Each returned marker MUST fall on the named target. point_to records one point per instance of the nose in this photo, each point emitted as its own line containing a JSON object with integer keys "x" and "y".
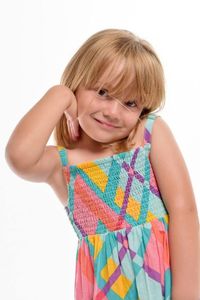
{"x": 113, "y": 108}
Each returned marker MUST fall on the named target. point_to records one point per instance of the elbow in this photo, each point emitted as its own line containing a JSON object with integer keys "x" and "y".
{"x": 10, "y": 159}
{"x": 8, "y": 154}
{"x": 183, "y": 203}
{"x": 184, "y": 210}
{"x": 185, "y": 214}
{"x": 13, "y": 160}
{"x": 16, "y": 164}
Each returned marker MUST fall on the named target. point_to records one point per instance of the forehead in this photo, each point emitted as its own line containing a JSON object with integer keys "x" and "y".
{"x": 118, "y": 80}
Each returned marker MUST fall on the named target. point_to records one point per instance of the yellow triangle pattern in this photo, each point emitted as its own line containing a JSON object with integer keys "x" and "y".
{"x": 122, "y": 283}
{"x": 133, "y": 208}
{"x": 97, "y": 175}
{"x": 97, "y": 243}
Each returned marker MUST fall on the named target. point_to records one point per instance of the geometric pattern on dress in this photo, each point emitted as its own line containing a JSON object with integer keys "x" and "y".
{"x": 118, "y": 214}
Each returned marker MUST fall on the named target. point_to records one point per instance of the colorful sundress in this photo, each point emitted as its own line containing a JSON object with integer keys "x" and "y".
{"x": 121, "y": 222}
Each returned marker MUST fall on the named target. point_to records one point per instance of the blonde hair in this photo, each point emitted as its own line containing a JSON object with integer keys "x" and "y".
{"x": 100, "y": 55}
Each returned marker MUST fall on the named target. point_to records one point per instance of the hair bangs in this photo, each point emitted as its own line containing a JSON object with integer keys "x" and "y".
{"x": 117, "y": 76}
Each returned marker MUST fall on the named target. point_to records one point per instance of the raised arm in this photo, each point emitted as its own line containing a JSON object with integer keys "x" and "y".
{"x": 176, "y": 189}
{"x": 26, "y": 151}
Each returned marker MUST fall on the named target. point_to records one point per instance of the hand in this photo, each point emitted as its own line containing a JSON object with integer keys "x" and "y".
{"x": 71, "y": 114}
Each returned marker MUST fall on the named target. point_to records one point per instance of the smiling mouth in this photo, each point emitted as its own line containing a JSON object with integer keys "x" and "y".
{"x": 105, "y": 124}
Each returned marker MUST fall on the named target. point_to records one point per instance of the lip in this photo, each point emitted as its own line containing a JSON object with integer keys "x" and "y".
{"x": 105, "y": 124}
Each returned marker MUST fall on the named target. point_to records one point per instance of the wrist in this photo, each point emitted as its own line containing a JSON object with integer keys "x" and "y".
{"x": 64, "y": 93}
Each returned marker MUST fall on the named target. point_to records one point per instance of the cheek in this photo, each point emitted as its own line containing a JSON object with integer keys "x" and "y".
{"x": 85, "y": 106}
{"x": 131, "y": 121}
{"x": 85, "y": 116}
{"x": 79, "y": 109}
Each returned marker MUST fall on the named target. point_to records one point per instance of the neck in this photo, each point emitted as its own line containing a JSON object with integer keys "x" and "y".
{"x": 87, "y": 143}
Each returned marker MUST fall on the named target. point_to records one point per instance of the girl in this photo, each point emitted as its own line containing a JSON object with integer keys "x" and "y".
{"x": 117, "y": 170}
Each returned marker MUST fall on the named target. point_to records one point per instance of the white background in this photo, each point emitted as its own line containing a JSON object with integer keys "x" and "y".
{"x": 37, "y": 242}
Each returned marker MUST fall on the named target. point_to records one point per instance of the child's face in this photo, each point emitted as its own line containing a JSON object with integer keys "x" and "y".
{"x": 95, "y": 106}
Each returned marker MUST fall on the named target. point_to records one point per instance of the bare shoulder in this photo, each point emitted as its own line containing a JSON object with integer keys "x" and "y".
{"x": 162, "y": 140}
{"x": 170, "y": 169}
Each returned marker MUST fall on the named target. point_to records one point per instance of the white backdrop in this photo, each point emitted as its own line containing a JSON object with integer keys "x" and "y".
{"x": 37, "y": 242}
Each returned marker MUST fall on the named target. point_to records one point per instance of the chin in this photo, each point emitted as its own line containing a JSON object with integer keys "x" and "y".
{"x": 99, "y": 137}
{"x": 101, "y": 140}
{"x": 105, "y": 141}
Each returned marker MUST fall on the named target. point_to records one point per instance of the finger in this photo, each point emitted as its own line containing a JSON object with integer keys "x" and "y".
{"x": 71, "y": 130}
{"x": 74, "y": 125}
{"x": 74, "y": 130}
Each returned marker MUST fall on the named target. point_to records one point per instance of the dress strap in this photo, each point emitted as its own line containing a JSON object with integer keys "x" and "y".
{"x": 148, "y": 127}
{"x": 63, "y": 155}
